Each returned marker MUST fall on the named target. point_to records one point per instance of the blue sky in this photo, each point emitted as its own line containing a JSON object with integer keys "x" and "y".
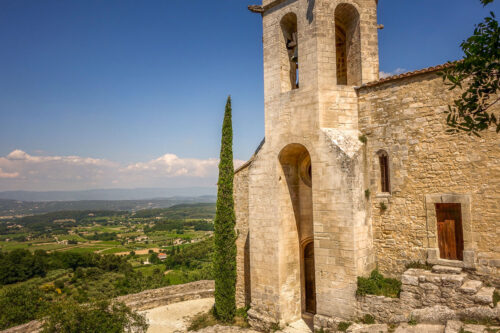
{"x": 127, "y": 83}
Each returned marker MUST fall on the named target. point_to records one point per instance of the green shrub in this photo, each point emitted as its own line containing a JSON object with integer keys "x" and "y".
{"x": 343, "y": 326}
{"x": 59, "y": 284}
{"x": 20, "y": 304}
{"x": 275, "y": 327}
{"x": 71, "y": 317}
{"x": 412, "y": 321}
{"x": 202, "y": 320}
{"x": 496, "y": 297}
{"x": 378, "y": 285}
{"x": 368, "y": 319}
{"x": 243, "y": 312}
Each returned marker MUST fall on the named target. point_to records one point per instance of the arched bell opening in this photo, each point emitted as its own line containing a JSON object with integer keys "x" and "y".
{"x": 348, "y": 45}
{"x": 290, "y": 53}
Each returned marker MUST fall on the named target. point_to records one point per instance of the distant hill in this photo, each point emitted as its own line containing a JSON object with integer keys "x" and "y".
{"x": 109, "y": 194}
{"x": 16, "y": 207}
{"x": 181, "y": 211}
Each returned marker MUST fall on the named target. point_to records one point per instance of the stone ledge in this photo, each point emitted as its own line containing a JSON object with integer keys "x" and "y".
{"x": 446, "y": 269}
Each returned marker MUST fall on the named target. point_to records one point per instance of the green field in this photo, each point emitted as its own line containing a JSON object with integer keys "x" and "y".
{"x": 86, "y": 256}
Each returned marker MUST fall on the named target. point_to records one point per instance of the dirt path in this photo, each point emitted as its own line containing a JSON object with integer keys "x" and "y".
{"x": 175, "y": 317}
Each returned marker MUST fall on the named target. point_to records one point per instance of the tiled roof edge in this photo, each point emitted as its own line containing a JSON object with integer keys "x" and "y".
{"x": 408, "y": 74}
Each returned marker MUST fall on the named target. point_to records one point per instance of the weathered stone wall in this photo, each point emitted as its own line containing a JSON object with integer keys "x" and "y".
{"x": 433, "y": 296}
{"x": 405, "y": 117}
{"x": 154, "y": 298}
{"x": 242, "y": 242}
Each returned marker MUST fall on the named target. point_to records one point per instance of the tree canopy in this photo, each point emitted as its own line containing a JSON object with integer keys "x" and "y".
{"x": 478, "y": 75}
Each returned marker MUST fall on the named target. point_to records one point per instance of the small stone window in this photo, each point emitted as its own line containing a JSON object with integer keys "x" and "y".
{"x": 385, "y": 184}
{"x": 290, "y": 53}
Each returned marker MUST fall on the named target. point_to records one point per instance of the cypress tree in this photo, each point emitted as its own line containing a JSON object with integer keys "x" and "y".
{"x": 224, "y": 234}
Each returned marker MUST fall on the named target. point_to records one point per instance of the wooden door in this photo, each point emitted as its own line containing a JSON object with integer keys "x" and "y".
{"x": 450, "y": 233}
{"x": 310, "y": 285}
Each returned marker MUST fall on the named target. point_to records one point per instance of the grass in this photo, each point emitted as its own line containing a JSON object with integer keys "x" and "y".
{"x": 85, "y": 249}
{"x": 368, "y": 319}
{"x": 51, "y": 247}
{"x": 202, "y": 320}
{"x": 485, "y": 322}
{"x": 113, "y": 250}
{"x": 207, "y": 319}
{"x": 412, "y": 321}
{"x": 9, "y": 246}
{"x": 419, "y": 265}
{"x": 378, "y": 285}
{"x": 496, "y": 297}
{"x": 492, "y": 330}
{"x": 71, "y": 237}
{"x": 343, "y": 326}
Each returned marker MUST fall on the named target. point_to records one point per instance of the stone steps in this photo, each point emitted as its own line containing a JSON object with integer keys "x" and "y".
{"x": 484, "y": 295}
{"x": 479, "y": 293}
{"x": 300, "y": 326}
{"x": 440, "y": 269}
{"x": 471, "y": 287}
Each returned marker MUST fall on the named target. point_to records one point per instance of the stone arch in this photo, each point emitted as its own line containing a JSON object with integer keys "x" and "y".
{"x": 296, "y": 212}
{"x": 289, "y": 51}
{"x": 348, "y": 45}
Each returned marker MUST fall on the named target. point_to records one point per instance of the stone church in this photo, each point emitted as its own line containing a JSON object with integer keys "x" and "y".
{"x": 355, "y": 172}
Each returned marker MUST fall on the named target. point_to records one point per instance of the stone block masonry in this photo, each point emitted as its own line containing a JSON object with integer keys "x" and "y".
{"x": 405, "y": 117}
{"x": 316, "y": 207}
{"x": 433, "y": 297}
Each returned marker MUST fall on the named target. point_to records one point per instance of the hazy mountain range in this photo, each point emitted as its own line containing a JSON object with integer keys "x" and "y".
{"x": 27, "y": 202}
{"x": 109, "y": 194}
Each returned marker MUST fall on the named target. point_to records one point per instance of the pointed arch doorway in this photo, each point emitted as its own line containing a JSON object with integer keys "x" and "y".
{"x": 298, "y": 234}
{"x": 309, "y": 278}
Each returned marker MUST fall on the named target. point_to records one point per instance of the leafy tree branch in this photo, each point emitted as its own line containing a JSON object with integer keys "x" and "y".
{"x": 478, "y": 75}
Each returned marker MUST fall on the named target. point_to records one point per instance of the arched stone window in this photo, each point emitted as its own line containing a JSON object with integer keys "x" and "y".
{"x": 290, "y": 53}
{"x": 347, "y": 45}
{"x": 385, "y": 181}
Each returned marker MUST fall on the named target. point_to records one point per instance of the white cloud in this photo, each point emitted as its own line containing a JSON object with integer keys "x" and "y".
{"x": 170, "y": 165}
{"x": 22, "y": 171}
{"x": 397, "y": 71}
{"x": 8, "y": 174}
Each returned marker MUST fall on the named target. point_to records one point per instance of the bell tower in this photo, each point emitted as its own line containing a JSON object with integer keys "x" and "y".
{"x": 324, "y": 47}
{"x": 309, "y": 236}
